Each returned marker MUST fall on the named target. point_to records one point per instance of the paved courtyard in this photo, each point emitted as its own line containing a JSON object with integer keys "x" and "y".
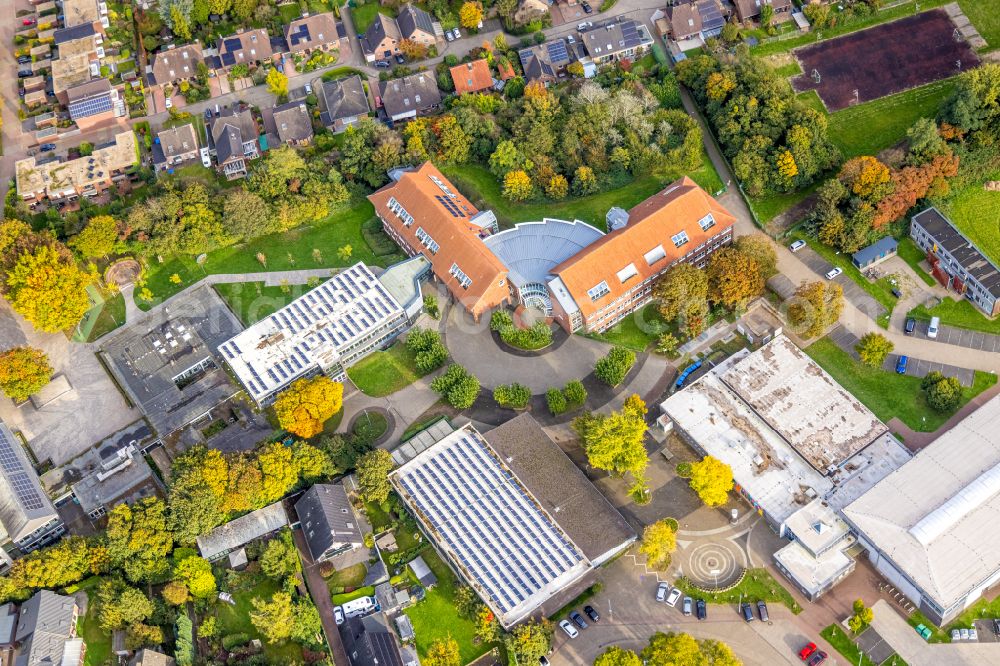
{"x": 64, "y": 428}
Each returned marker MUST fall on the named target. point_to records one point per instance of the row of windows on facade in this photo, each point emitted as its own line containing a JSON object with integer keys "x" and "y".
{"x": 980, "y": 295}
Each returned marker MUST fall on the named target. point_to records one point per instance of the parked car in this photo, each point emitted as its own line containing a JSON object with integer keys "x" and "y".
{"x": 592, "y": 614}
{"x": 701, "y": 609}
{"x": 911, "y": 324}
{"x": 338, "y": 615}
{"x": 24, "y": 60}
{"x": 46, "y": 147}
{"x": 578, "y": 619}
{"x": 932, "y": 328}
{"x": 308, "y": 87}
{"x": 206, "y": 161}
{"x": 587, "y": 9}
{"x": 747, "y": 612}
{"x": 688, "y": 606}
{"x": 955, "y": 635}
{"x": 569, "y": 629}
{"x": 896, "y": 292}
{"x": 973, "y": 634}
{"x": 385, "y": 64}
{"x": 458, "y": 33}
{"x": 996, "y": 626}
{"x": 675, "y": 594}
{"x": 169, "y": 103}
{"x": 797, "y": 245}
{"x": 583, "y": 26}
{"x": 807, "y": 651}
{"x": 901, "y": 365}
{"x": 661, "y": 592}
{"x": 543, "y": 661}
{"x": 762, "y": 611}
{"x": 400, "y": 59}
{"x": 837, "y": 270}
{"x": 818, "y": 658}
{"x": 570, "y": 39}
{"x": 448, "y": 36}
{"x": 28, "y": 21}
{"x": 24, "y": 73}
{"x": 208, "y": 114}
{"x": 964, "y": 633}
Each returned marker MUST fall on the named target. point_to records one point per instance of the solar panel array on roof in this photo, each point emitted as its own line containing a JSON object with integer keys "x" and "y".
{"x": 17, "y": 476}
{"x": 449, "y": 205}
{"x": 630, "y": 34}
{"x": 228, "y": 59}
{"x": 557, "y": 50}
{"x": 90, "y": 106}
{"x": 711, "y": 17}
{"x": 233, "y": 44}
{"x": 481, "y": 514}
{"x": 299, "y": 35}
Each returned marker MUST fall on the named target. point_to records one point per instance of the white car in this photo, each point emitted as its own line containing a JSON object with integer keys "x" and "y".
{"x": 570, "y": 630}
{"x": 797, "y": 245}
{"x": 834, "y": 272}
{"x": 661, "y": 592}
{"x": 169, "y": 103}
{"x": 973, "y": 634}
{"x": 206, "y": 161}
{"x": 675, "y": 594}
{"x": 338, "y": 615}
{"x": 965, "y": 633}
{"x": 449, "y": 36}
{"x": 309, "y": 89}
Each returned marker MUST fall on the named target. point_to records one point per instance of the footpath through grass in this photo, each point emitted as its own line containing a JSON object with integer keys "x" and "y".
{"x": 482, "y": 188}
{"x": 385, "y": 372}
{"x": 889, "y": 394}
{"x": 757, "y": 585}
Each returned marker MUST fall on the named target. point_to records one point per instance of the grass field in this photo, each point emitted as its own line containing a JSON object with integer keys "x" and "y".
{"x": 960, "y": 313}
{"x": 436, "y": 617}
{"x": 236, "y": 620}
{"x": 290, "y": 250}
{"x": 87, "y": 627}
{"x": 385, "y": 372}
{"x": 636, "y": 331}
{"x": 913, "y": 255}
{"x": 986, "y": 17}
{"x": 252, "y": 301}
{"x": 364, "y": 15}
{"x": 757, "y": 585}
{"x": 888, "y": 394}
{"x": 976, "y": 213}
{"x": 769, "y": 207}
{"x": 349, "y": 577}
{"x": 482, "y": 188}
{"x": 845, "y": 646}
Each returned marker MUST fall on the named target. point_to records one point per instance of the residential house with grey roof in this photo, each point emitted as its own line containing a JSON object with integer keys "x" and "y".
{"x": 616, "y": 40}
{"x": 293, "y": 123}
{"x": 547, "y": 61}
{"x": 317, "y": 31}
{"x": 176, "y": 64}
{"x": 411, "y": 96}
{"x": 416, "y": 25}
{"x": 26, "y": 512}
{"x": 343, "y": 103}
{"x": 235, "y": 135}
{"x": 237, "y": 533}
{"x": 381, "y": 39}
{"x": 246, "y": 47}
{"x": 46, "y": 632}
{"x": 368, "y": 642}
{"x": 328, "y": 521}
{"x": 175, "y": 146}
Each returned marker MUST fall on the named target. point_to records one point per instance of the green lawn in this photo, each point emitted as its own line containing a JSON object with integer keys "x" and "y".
{"x": 985, "y": 17}
{"x": 436, "y": 617}
{"x": 252, "y": 301}
{"x": 364, "y": 15}
{"x": 841, "y": 642}
{"x": 976, "y": 213}
{"x": 757, "y": 585}
{"x": 101, "y": 319}
{"x": 636, "y": 331}
{"x": 913, "y": 255}
{"x": 378, "y": 518}
{"x": 938, "y": 635}
{"x": 867, "y": 128}
{"x": 960, "y": 313}
{"x": 770, "y": 206}
{"x": 889, "y": 394}
{"x": 880, "y": 290}
{"x": 349, "y": 577}
{"x": 290, "y": 250}
{"x": 97, "y": 640}
{"x": 341, "y": 599}
{"x": 791, "y": 69}
{"x": 370, "y": 426}
{"x": 236, "y": 620}
{"x": 385, "y": 372}
{"x": 483, "y": 189}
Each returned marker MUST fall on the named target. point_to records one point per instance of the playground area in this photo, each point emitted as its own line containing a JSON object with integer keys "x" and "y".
{"x": 887, "y": 59}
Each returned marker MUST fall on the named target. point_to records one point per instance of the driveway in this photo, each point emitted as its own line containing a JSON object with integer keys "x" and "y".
{"x": 320, "y": 594}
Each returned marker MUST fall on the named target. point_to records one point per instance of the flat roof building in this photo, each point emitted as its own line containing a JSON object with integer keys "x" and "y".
{"x": 26, "y": 512}
{"x": 86, "y": 176}
{"x": 239, "y": 532}
{"x": 325, "y": 330}
{"x": 930, "y": 527}
{"x": 514, "y": 516}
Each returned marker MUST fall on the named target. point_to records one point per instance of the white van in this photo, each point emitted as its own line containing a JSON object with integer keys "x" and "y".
{"x": 359, "y": 607}
{"x": 932, "y": 328}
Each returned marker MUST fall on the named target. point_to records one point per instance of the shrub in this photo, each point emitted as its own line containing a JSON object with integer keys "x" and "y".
{"x": 515, "y": 396}
{"x": 575, "y": 393}
{"x": 430, "y": 353}
{"x": 457, "y": 386}
{"x": 943, "y": 393}
{"x": 556, "y": 401}
{"x": 536, "y": 336}
{"x": 613, "y": 368}
{"x": 235, "y": 640}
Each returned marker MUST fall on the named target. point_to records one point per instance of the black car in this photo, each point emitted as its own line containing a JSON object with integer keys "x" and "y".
{"x": 24, "y": 60}
{"x": 587, "y": 9}
{"x": 762, "y": 611}
{"x": 591, "y": 613}
{"x": 896, "y": 292}
{"x": 46, "y": 147}
{"x": 747, "y": 612}
{"x": 701, "y": 609}
{"x": 400, "y": 59}
{"x": 208, "y": 114}
{"x": 578, "y": 619}
{"x": 385, "y": 64}
{"x": 911, "y": 324}
{"x": 24, "y": 73}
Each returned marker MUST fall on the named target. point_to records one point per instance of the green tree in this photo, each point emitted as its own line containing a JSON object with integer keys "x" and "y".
{"x": 457, "y": 386}
{"x": 529, "y": 641}
{"x": 712, "y": 479}
{"x": 556, "y": 401}
{"x": 443, "y": 652}
{"x": 514, "y": 396}
{"x": 277, "y": 83}
{"x": 517, "y": 185}
{"x": 730, "y": 32}
{"x": 307, "y": 404}
{"x": 244, "y": 9}
{"x": 862, "y": 617}
{"x": 505, "y": 158}
{"x": 617, "y": 656}
{"x": 23, "y": 372}
{"x": 943, "y": 394}
{"x": 98, "y": 239}
{"x": 184, "y": 649}
{"x": 766, "y": 15}
{"x": 196, "y": 573}
{"x": 467, "y": 602}
{"x": 557, "y": 187}
{"x": 120, "y": 605}
{"x": 925, "y": 142}
{"x": 280, "y": 558}
{"x": 614, "y": 442}
{"x": 584, "y": 181}
{"x": 373, "y": 475}
{"x": 273, "y": 618}
{"x": 575, "y": 392}
{"x": 760, "y": 248}
{"x": 872, "y": 349}
{"x": 659, "y": 541}
{"x": 246, "y": 215}
{"x": 815, "y": 307}
{"x": 311, "y": 463}
{"x": 139, "y": 540}
{"x": 614, "y": 366}
{"x": 682, "y": 296}
{"x": 306, "y": 624}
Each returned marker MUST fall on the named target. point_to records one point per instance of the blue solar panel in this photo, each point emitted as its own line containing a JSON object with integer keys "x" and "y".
{"x": 233, "y": 44}
{"x": 301, "y": 34}
{"x": 90, "y": 107}
{"x": 557, "y": 50}
{"x": 228, "y": 59}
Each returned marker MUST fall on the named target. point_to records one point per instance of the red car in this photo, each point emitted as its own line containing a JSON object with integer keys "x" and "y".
{"x": 807, "y": 651}
{"x": 28, "y": 21}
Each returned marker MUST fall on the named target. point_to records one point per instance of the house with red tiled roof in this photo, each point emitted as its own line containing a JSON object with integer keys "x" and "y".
{"x": 426, "y": 214}
{"x": 614, "y": 275}
{"x": 472, "y": 77}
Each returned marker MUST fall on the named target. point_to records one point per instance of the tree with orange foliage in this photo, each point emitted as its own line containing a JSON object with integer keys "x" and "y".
{"x": 412, "y": 49}
{"x": 866, "y": 177}
{"x": 305, "y": 406}
{"x": 910, "y": 184}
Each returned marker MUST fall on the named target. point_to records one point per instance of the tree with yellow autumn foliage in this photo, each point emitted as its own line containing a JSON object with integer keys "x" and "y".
{"x": 305, "y": 406}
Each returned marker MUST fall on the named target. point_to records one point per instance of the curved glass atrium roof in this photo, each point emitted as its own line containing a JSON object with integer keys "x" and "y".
{"x": 532, "y": 249}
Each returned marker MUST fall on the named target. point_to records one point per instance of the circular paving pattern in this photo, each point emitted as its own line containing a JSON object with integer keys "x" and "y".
{"x": 712, "y": 564}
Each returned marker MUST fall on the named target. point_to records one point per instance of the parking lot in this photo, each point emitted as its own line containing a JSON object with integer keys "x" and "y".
{"x": 961, "y": 337}
{"x": 857, "y": 296}
{"x": 915, "y": 367}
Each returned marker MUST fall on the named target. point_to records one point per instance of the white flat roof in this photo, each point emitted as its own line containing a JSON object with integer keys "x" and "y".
{"x": 313, "y": 330}
{"x": 813, "y": 573}
{"x": 936, "y": 516}
{"x": 817, "y": 526}
{"x": 512, "y": 553}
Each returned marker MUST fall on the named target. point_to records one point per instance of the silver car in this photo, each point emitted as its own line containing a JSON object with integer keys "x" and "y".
{"x": 688, "y": 605}
{"x": 661, "y": 592}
